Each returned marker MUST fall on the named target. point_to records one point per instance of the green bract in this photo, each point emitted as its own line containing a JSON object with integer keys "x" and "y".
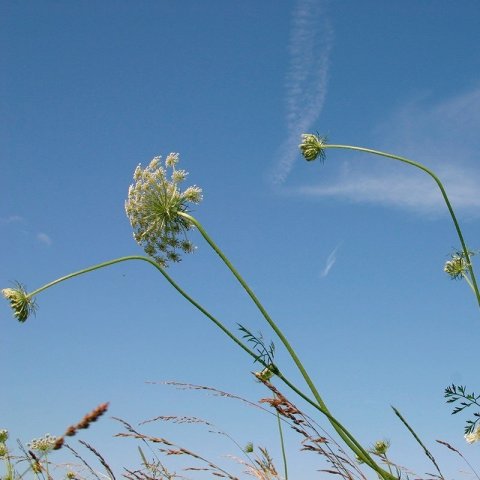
{"x": 22, "y": 305}
{"x": 312, "y": 147}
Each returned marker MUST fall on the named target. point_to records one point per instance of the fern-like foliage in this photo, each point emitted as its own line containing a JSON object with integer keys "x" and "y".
{"x": 458, "y": 393}
{"x": 265, "y": 353}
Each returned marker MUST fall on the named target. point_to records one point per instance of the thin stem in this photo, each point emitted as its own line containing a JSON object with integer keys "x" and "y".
{"x": 167, "y": 277}
{"x": 417, "y": 438}
{"x": 282, "y": 445}
{"x": 344, "y": 434}
{"x": 90, "y": 269}
{"x": 465, "y": 276}
{"x": 357, "y": 448}
{"x": 444, "y": 195}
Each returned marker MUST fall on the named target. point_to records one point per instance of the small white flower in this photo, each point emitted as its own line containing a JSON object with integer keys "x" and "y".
{"x": 44, "y": 444}
{"x": 172, "y": 160}
{"x": 473, "y": 436}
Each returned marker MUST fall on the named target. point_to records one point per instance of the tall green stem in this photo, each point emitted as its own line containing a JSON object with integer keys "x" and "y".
{"x": 282, "y": 446}
{"x": 202, "y": 310}
{"x": 344, "y": 434}
{"x": 166, "y": 276}
{"x": 444, "y": 195}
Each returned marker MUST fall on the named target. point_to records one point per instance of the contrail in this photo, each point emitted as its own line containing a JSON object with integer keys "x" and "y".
{"x": 332, "y": 258}
{"x": 309, "y": 47}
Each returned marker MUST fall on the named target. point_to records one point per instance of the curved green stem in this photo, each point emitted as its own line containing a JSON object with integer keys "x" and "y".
{"x": 321, "y": 406}
{"x": 89, "y": 269}
{"x": 167, "y": 277}
{"x": 348, "y": 438}
{"x": 444, "y": 195}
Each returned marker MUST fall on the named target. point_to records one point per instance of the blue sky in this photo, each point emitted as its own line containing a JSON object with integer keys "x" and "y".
{"x": 347, "y": 256}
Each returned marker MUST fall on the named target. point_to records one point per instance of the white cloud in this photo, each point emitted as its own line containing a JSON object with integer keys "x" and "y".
{"x": 330, "y": 262}
{"x": 306, "y": 82}
{"x": 44, "y": 238}
{"x": 442, "y": 135}
{"x": 11, "y": 219}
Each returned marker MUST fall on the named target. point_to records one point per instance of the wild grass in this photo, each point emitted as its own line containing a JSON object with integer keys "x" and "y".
{"x": 151, "y": 457}
{"x": 159, "y": 210}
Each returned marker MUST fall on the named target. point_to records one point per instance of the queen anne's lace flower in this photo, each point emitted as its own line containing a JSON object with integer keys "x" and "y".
{"x": 22, "y": 305}
{"x": 457, "y": 266}
{"x": 312, "y": 147}
{"x": 473, "y": 436}
{"x": 153, "y": 206}
{"x": 44, "y": 444}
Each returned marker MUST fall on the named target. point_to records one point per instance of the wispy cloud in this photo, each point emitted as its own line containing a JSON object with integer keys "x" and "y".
{"x": 44, "y": 238}
{"x": 330, "y": 262}
{"x": 443, "y": 135}
{"x": 310, "y": 44}
{"x": 16, "y": 222}
{"x": 11, "y": 219}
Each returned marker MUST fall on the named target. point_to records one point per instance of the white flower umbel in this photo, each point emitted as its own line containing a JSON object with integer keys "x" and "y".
{"x": 473, "y": 436}
{"x": 44, "y": 444}
{"x": 154, "y": 205}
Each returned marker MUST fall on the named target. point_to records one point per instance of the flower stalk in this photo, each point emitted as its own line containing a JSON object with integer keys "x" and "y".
{"x": 159, "y": 212}
{"x": 319, "y": 404}
{"x": 313, "y": 147}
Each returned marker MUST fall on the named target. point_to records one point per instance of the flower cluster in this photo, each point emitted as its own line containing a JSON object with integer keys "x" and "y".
{"x": 473, "y": 436}
{"x": 154, "y": 205}
{"x": 3, "y": 439}
{"x": 21, "y": 304}
{"x": 380, "y": 447}
{"x": 457, "y": 266}
{"x": 44, "y": 444}
{"x": 312, "y": 147}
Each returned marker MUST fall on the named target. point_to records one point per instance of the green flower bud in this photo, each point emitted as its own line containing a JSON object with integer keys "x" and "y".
{"x": 457, "y": 266}
{"x": 21, "y": 304}
{"x": 3, "y": 435}
{"x": 248, "y": 447}
{"x": 3, "y": 450}
{"x": 312, "y": 147}
{"x": 380, "y": 447}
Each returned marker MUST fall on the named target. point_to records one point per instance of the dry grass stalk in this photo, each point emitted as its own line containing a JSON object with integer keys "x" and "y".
{"x": 100, "y": 458}
{"x": 173, "y": 449}
{"x": 85, "y": 422}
